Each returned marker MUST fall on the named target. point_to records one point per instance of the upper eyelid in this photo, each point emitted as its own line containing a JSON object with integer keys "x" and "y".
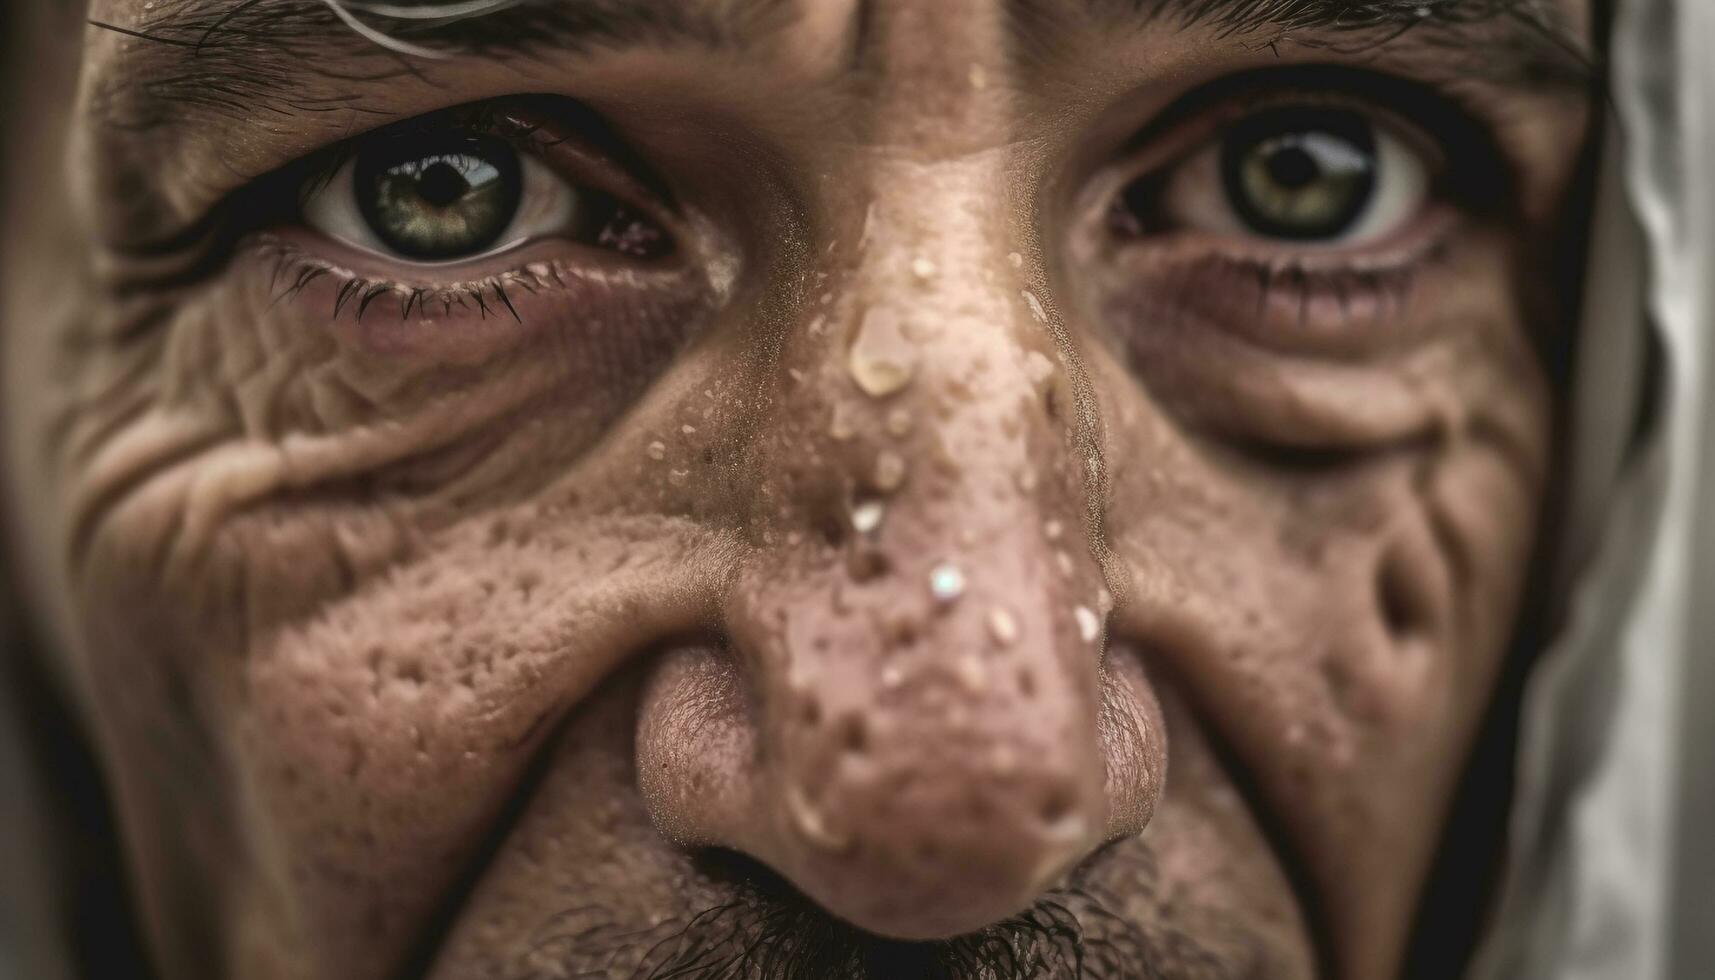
{"x": 1172, "y": 145}
{"x": 1351, "y": 84}
{"x": 1471, "y": 155}
{"x": 550, "y": 126}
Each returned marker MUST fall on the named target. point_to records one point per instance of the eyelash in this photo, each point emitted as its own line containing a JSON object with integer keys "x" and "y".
{"x": 1476, "y": 177}
{"x": 1299, "y": 285}
{"x": 356, "y": 292}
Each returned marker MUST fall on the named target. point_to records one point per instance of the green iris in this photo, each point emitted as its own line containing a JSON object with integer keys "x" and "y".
{"x": 1302, "y": 174}
{"x": 440, "y": 198}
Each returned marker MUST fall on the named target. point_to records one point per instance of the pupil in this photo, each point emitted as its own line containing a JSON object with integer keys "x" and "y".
{"x": 1293, "y": 167}
{"x": 441, "y": 184}
{"x": 439, "y": 196}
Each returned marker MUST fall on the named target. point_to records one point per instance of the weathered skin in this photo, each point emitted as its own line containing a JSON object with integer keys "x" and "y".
{"x": 328, "y": 589}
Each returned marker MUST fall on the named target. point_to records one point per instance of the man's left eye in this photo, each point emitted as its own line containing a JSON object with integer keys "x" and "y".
{"x": 456, "y": 193}
{"x": 1310, "y": 175}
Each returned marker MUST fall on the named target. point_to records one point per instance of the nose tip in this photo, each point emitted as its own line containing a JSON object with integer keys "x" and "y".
{"x": 918, "y": 753}
{"x": 948, "y": 787}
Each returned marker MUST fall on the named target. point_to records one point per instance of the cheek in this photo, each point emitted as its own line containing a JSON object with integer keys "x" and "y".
{"x": 1363, "y": 553}
{"x": 351, "y": 759}
{"x": 1325, "y": 556}
{"x": 329, "y": 600}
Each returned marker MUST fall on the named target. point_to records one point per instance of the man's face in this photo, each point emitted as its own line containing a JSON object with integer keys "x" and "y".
{"x": 864, "y": 489}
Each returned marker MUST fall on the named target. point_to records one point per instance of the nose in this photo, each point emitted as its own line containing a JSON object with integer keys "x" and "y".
{"x": 904, "y": 719}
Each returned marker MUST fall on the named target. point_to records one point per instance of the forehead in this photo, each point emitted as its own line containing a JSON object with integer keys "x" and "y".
{"x": 207, "y": 26}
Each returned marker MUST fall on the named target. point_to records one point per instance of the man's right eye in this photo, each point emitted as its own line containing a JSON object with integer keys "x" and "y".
{"x": 450, "y": 191}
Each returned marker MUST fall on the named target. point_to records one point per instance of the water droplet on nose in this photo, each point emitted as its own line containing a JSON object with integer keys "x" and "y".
{"x": 881, "y": 359}
{"x": 812, "y": 823}
{"x": 678, "y": 477}
{"x": 1089, "y": 624}
{"x": 947, "y": 583}
{"x": 1104, "y": 601}
{"x": 1064, "y": 560}
{"x": 689, "y": 430}
{"x": 657, "y": 450}
{"x": 1015, "y": 260}
{"x": 1052, "y": 530}
{"x": 979, "y": 78}
{"x": 923, "y": 268}
{"x": 1003, "y": 627}
{"x": 866, "y": 516}
{"x": 889, "y": 471}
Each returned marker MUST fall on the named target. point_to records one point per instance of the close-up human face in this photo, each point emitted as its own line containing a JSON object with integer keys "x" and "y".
{"x": 794, "y": 488}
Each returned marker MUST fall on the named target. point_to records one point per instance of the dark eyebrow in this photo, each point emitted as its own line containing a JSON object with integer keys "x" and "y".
{"x": 461, "y": 25}
{"x": 242, "y": 57}
{"x": 1523, "y": 42}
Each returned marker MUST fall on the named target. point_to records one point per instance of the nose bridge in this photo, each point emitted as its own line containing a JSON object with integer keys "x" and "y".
{"x": 925, "y": 393}
{"x": 923, "y": 381}
{"x": 924, "y": 637}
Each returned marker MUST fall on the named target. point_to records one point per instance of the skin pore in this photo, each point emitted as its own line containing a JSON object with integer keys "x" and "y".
{"x": 869, "y": 502}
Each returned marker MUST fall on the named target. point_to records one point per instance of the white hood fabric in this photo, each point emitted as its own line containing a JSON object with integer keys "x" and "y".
{"x": 1605, "y": 879}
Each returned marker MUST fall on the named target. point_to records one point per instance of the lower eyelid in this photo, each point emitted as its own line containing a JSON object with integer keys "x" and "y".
{"x": 617, "y": 321}
{"x": 1320, "y": 383}
{"x": 1340, "y": 307}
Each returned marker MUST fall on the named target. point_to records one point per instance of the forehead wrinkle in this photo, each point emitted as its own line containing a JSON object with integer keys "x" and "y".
{"x": 241, "y": 58}
{"x": 1524, "y": 43}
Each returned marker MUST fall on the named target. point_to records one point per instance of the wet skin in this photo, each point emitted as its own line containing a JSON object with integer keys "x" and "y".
{"x": 931, "y": 522}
